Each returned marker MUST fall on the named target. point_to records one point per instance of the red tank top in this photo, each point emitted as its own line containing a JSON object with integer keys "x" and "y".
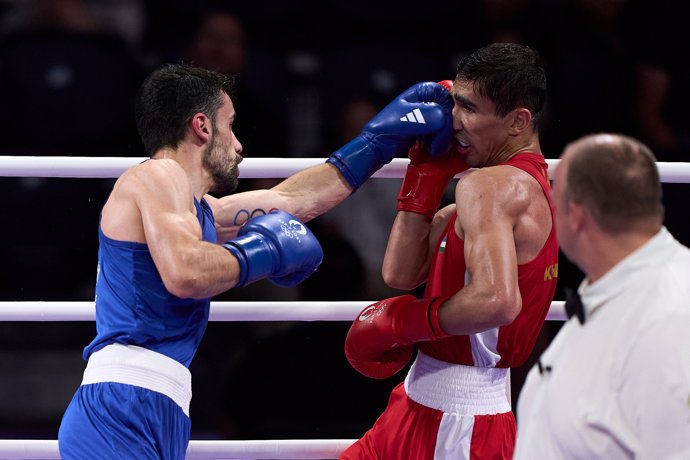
{"x": 505, "y": 346}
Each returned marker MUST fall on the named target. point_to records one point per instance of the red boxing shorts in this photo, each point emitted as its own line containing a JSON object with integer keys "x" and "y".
{"x": 443, "y": 411}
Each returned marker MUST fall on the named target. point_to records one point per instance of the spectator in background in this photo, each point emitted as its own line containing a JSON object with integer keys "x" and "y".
{"x": 219, "y": 42}
{"x": 588, "y": 68}
{"x": 73, "y": 76}
{"x": 659, "y": 42}
{"x": 658, "y": 39}
{"x": 508, "y": 21}
{"x": 67, "y": 85}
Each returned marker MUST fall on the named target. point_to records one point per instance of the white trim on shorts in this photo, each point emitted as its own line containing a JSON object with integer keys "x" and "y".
{"x": 457, "y": 389}
{"x": 132, "y": 365}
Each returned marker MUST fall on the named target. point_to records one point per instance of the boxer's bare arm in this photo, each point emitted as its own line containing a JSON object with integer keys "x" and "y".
{"x": 306, "y": 194}
{"x": 315, "y": 190}
{"x": 152, "y": 204}
{"x": 410, "y": 246}
{"x": 490, "y": 203}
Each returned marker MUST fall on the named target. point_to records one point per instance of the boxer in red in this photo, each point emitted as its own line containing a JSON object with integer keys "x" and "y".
{"x": 490, "y": 263}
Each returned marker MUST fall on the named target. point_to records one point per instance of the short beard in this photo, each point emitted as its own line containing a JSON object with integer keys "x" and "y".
{"x": 224, "y": 181}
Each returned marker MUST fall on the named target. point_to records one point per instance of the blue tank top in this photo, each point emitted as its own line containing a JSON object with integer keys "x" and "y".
{"x": 134, "y": 308}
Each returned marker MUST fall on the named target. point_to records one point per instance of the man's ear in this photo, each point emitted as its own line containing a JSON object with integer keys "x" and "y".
{"x": 579, "y": 215}
{"x": 521, "y": 119}
{"x": 202, "y": 127}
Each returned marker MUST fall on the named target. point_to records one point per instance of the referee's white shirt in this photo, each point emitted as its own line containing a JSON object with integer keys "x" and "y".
{"x": 617, "y": 387}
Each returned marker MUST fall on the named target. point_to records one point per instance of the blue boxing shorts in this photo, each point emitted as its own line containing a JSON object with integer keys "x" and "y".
{"x": 109, "y": 419}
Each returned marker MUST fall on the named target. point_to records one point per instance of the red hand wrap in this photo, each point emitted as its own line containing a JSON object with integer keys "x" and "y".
{"x": 380, "y": 340}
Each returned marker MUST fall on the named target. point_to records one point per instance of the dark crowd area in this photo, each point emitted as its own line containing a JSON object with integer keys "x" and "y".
{"x": 309, "y": 76}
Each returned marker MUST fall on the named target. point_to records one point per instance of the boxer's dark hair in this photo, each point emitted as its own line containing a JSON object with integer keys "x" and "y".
{"x": 509, "y": 74}
{"x": 171, "y": 96}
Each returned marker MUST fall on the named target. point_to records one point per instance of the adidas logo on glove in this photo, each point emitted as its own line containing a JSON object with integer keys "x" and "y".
{"x": 414, "y": 117}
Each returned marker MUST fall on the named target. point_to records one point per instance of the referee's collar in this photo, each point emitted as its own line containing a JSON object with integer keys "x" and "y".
{"x": 621, "y": 276}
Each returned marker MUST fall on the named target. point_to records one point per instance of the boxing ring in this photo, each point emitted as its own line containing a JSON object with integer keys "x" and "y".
{"x": 88, "y": 167}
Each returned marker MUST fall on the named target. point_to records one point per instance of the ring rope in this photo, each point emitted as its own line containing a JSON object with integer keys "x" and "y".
{"x": 220, "y": 311}
{"x": 112, "y": 167}
{"x": 281, "y": 449}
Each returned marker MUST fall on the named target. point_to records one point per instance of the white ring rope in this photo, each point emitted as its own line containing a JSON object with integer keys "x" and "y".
{"x": 220, "y": 311}
{"x": 111, "y": 167}
{"x": 286, "y": 449}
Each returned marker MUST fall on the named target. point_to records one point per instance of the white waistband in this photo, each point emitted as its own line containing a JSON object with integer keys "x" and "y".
{"x": 141, "y": 367}
{"x": 457, "y": 389}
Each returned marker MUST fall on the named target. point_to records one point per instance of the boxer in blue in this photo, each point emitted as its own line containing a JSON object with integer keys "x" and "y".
{"x": 167, "y": 247}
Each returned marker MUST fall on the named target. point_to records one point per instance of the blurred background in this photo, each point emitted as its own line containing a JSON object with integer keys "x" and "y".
{"x": 309, "y": 77}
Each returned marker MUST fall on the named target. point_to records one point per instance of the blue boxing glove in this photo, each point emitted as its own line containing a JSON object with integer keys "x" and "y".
{"x": 423, "y": 110}
{"x": 276, "y": 246}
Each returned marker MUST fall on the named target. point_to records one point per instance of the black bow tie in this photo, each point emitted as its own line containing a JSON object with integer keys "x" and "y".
{"x": 573, "y": 305}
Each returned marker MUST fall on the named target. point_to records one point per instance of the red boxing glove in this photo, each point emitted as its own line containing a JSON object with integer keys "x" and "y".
{"x": 426, "y": 177}
{"x": 380, "y": 340}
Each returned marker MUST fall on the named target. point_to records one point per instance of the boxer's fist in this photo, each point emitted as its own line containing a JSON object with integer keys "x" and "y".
{"x": 402, "y": 117}
{"x": 423, "y": 110}
{"x": 380, "y": 340}
{"x": 276, "y": 246}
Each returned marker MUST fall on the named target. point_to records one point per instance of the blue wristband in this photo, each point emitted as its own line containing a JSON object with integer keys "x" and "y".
{"x": 357, "y": 161}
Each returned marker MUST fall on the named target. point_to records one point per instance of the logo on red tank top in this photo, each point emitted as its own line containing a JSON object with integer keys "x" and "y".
{"x": 551, "y": 272}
